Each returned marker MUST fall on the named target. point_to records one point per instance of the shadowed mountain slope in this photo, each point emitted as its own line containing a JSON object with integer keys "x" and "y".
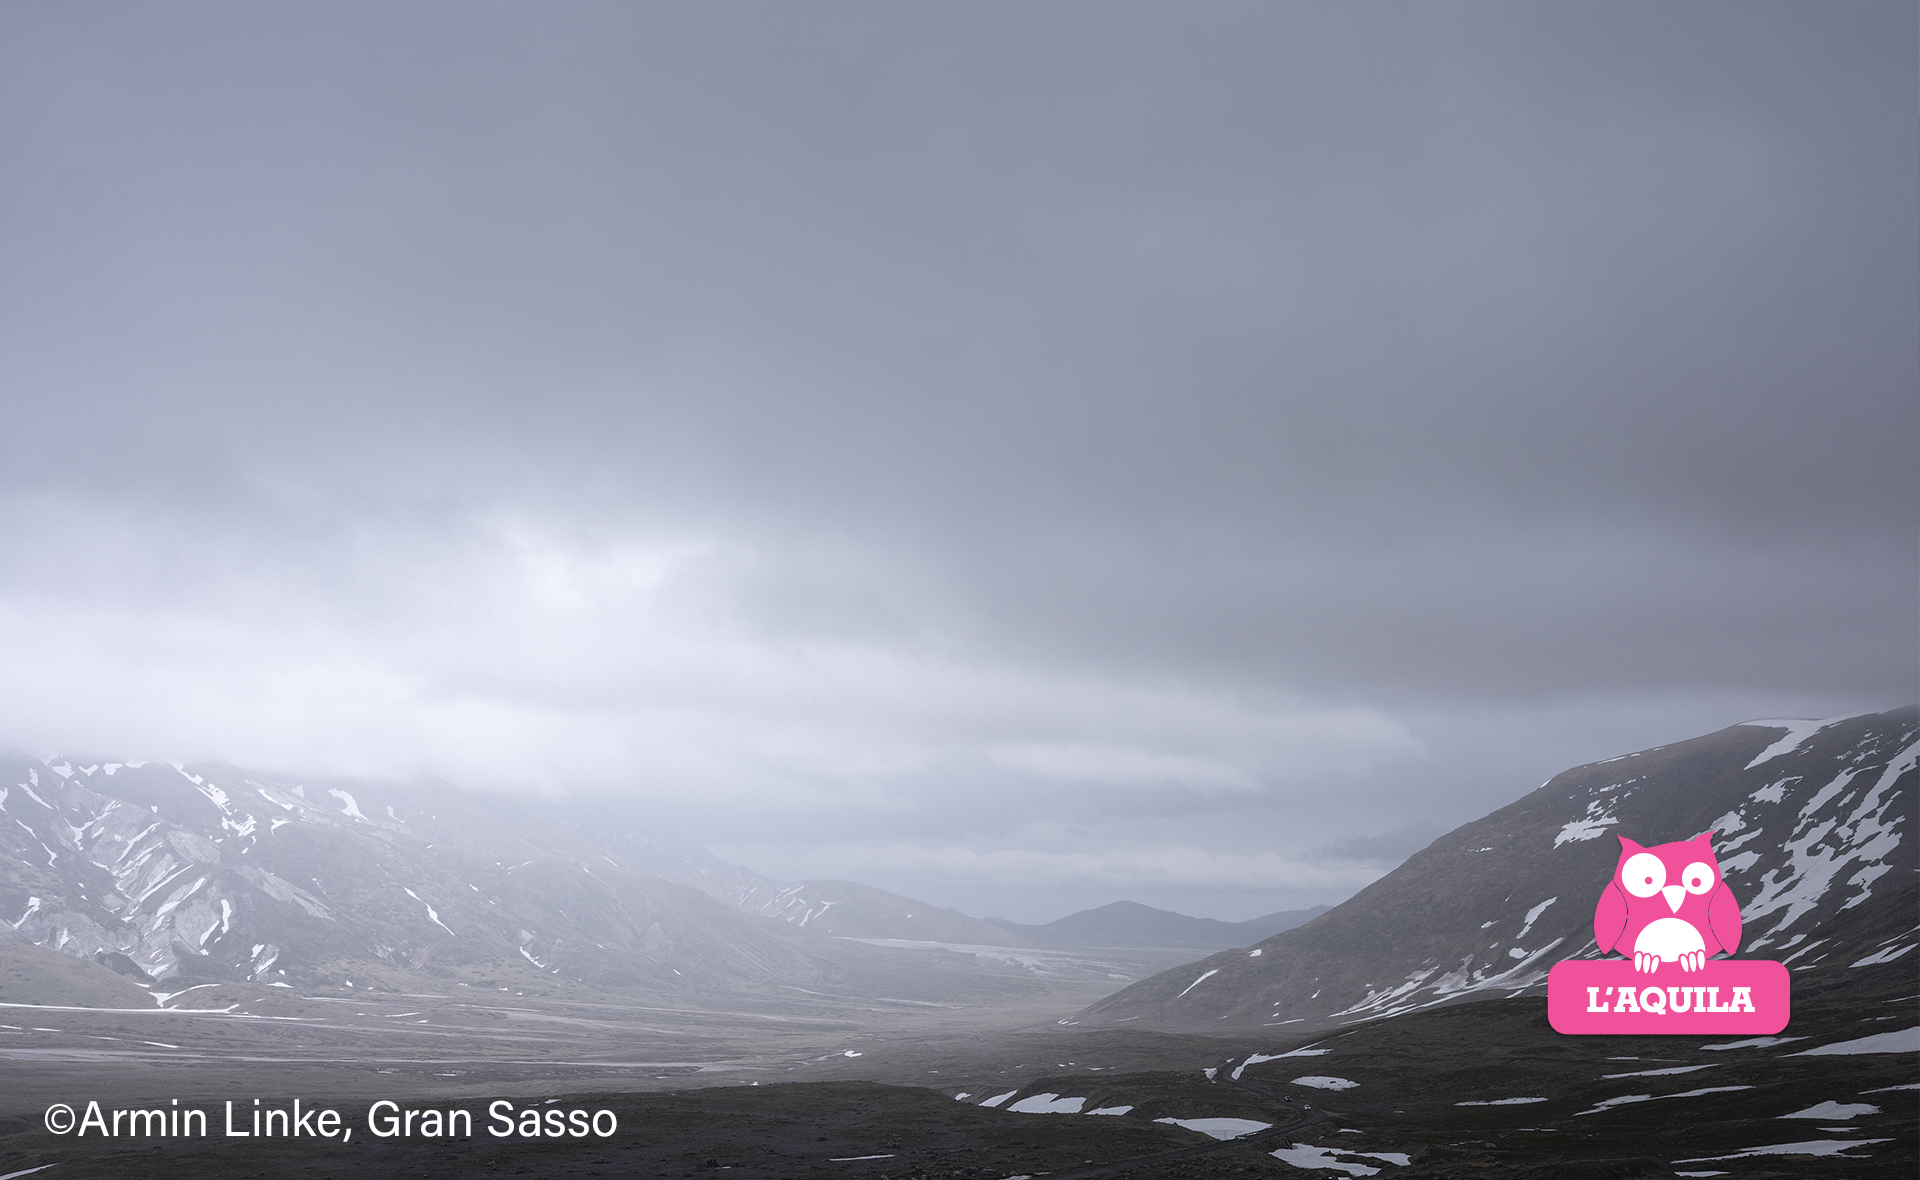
{"x": 1814, "y": 833}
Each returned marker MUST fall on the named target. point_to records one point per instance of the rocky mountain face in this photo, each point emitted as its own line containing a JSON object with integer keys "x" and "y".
{"x": 1813, "y": 824}
{"x": 177, "y": 876}
{"x": 1130, "y": 925}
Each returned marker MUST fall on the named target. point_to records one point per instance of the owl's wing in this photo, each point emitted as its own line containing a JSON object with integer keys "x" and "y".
{"x": 1723, "y": 918}
{"x": 1609, "y": 917}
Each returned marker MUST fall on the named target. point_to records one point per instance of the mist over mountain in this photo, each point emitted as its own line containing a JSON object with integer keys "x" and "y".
{"x": 181, "y": 876}
{"x": 178, "y": 876}
{"x": 1813, "y": 829}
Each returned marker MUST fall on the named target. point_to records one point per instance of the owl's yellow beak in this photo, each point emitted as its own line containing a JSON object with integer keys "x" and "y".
{"x": 1675, "y": 894}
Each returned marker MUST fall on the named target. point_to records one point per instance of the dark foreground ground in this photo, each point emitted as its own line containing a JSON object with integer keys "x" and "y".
{"x": 800, "y": 1131}
{"x": 1484, "y": 1089}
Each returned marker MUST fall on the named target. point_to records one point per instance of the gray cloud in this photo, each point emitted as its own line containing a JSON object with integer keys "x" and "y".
{"x": 959, "y": 444}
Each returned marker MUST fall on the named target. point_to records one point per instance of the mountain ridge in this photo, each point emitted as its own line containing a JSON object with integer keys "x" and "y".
{"x": 1813, "y": 823}
{"x": 210, "y": 874}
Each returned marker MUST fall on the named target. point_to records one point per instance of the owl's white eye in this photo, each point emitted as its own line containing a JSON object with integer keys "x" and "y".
{"x": 1644, "y": 874}
{"x": 1698, "y": 878}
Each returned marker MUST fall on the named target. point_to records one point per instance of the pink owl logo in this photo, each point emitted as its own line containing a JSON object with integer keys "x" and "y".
{"x": 1667, "y": 904}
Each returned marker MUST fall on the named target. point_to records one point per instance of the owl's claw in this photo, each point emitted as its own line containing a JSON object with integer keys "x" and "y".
{"x": 1645, "y": 963}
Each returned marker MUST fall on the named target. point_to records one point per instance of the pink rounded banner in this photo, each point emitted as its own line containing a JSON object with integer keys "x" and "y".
{"x": 1725, "y": 996}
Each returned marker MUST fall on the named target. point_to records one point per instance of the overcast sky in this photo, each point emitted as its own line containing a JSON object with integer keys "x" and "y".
{"x": 1020, "y": 455}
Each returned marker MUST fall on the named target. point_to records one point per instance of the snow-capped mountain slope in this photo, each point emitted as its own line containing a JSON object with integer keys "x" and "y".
{"x": 180, "y": 875}
{"x": 1814, "y": 833}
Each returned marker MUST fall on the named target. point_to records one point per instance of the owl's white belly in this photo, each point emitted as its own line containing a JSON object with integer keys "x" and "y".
{"x": 1668, "y": 939}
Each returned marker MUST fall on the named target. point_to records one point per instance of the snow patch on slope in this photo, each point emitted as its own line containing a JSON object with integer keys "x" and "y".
{"x": 1048, "y": 1104}
{"x": 1820, "y": 852}
{"x": 1196, "y": 983}
{"x": 1591, "y": 826}
{"x": 1798, "y": 731}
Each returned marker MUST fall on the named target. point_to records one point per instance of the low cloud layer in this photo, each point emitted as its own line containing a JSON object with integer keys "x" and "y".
{"x": 1018, "y": 456}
